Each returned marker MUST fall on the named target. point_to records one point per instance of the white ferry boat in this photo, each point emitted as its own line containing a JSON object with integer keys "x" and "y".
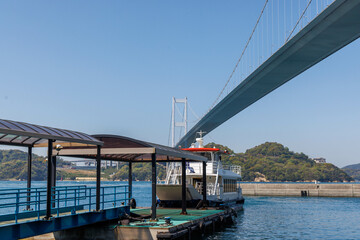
{"x": 222, "y": 181}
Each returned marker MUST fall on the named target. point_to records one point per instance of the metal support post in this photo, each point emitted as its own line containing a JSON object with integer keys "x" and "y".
{"x": 183, "y": 187}
{"x": 153, "y": 196}
{"x": 49, "y": 178}
{"x": 53, "y": 179}
{"x": 204, "y": 185}
{"x": 130, "y": 180}
{"x": 28, "y": 199}
{"x": 98, "y": 177}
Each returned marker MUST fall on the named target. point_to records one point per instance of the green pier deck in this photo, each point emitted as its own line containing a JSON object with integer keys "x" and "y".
{"x": 174, "y": 214}
{"x": 195, "y": 223}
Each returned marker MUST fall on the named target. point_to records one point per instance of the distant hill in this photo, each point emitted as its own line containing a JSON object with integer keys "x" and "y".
{"x": 353, "y": 171}
{"x": 273, "y": 162}
{"x": 13, "y": 165}
{"x": 267, "y": 162}
{"x": 353, "y": 166}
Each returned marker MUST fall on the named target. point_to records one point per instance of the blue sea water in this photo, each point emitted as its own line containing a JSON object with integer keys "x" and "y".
{"x": 296, "y": 218}
{"x": 285, "y": 217}
{"x": 268, "y": 217}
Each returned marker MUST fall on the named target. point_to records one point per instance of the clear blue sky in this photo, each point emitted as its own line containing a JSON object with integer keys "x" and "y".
{"x": 113, "y": 67}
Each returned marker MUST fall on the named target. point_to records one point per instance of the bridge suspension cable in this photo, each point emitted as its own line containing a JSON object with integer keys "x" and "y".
{"x": 299, "y": 20}
{"x": 277, "y": 23}
{"x": 280, "y": 23}
{"x": 242, "y": 54}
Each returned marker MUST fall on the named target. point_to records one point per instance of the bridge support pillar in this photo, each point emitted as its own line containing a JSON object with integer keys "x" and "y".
{"x": 49, "y": 180}
{"x": 98, "y": 177}
{"x": 153, "y": 195}
{"x": 28, "y": 199}
{"x": 183, "y": 187}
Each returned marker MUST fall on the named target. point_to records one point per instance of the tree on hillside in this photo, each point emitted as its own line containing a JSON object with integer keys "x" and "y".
{"x": 277, "y": 163}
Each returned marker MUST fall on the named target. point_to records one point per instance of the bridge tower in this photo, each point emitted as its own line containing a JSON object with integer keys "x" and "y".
{"x": 174, "y": 123}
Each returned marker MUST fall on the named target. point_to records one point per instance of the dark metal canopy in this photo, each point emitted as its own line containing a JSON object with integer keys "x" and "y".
{"x": 119, "y": 148}
{"x": 26, "y": 134}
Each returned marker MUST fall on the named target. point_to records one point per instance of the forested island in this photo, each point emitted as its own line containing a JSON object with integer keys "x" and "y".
{"x": 275, "y": 163}
{"x": 353, "y": 171}
{"x": 267, "y": 162}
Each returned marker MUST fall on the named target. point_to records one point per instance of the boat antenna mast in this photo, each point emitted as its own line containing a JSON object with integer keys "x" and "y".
{"x": 200, "y": 139}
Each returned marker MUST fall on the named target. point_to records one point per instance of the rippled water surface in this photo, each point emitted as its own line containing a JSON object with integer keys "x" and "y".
{"x": 286, "y": 217}
{"x": 296, "y": 218}
{"x": 268, "y": 217}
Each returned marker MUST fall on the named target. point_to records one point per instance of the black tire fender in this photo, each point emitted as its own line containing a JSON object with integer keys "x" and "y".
{"x": 132, "y": 203}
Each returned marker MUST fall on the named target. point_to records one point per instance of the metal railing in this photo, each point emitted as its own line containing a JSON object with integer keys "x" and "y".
{"x": 30, "y": 203}
{"x": 211, "y": 168}
{"x": 233, "y": 168}
{"x": 212, "y": 189}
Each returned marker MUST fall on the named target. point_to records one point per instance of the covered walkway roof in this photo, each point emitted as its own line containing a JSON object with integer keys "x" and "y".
{"x": 31, "y": 135}
{"x": 99, "y": 147}
{"x": 120, "y": 148}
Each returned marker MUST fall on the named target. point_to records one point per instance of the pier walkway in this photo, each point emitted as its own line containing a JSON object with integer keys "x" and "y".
{"x": 23, "y": 211}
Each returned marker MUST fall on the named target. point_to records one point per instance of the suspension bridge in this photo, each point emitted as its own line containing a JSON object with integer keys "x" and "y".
{"x": 322, "y": 28}
{"x": 288, "y": 38}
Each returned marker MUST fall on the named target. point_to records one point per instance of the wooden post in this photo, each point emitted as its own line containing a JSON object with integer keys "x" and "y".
{"x": 98, "y": 177}
{"x": 28, "y": 199}
{"x": 53, "y": 179}
{"x": 49, "y": 180}
{"x": 153, "y": 196}
{"x": 204, "y": 185}
{"x": 130, "y": 180}
{"x": 183, "y": 187}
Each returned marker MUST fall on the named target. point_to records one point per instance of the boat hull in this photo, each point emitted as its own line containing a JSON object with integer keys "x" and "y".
{"x": 170, "y": 196}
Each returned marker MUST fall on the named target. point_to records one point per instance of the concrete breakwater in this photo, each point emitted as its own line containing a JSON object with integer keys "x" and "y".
{"x": 301, "y": 189}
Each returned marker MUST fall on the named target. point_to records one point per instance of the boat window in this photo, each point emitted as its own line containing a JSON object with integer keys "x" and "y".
{"x": 230, "y": 185}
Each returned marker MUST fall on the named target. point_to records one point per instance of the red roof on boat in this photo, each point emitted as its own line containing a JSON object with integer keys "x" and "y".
{"x": 201, "y": 149}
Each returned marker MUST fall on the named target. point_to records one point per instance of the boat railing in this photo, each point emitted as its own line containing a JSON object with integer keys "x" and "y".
{"x": 171, "y": 173}
{"x": 211, "y": 190}
{"x": 197, "y": 168}
{"x": 214, "y": 166}
{"x": 233, "y": 168}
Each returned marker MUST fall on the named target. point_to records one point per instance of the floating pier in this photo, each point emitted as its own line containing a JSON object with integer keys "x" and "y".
{"x": 171, "y": 224}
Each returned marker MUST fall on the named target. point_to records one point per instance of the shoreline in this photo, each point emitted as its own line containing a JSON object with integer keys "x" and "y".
{"x": 301, "y": 189}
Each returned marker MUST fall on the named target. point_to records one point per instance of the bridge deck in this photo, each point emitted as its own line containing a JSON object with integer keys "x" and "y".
{"x": 337, "y": 26}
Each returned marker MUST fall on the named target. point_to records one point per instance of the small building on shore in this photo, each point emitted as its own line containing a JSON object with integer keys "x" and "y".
{"x": 319, "y": 160}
